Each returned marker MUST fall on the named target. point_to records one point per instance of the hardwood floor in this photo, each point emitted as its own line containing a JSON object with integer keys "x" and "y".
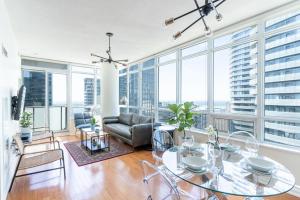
{"x": 114, "y": 179}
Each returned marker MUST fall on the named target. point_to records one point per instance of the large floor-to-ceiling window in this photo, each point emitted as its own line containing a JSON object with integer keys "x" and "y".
{"x": 55, "y": 91}
{"x": 46, "y": 93}
{"x": 243, "y": 78}
{"x": 282, "y": 79}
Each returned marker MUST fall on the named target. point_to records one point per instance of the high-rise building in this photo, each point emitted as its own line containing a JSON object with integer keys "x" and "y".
{"x": 282, "y": 80}
{"x": 242, "y": 80}
{"x": 88, "y": 91}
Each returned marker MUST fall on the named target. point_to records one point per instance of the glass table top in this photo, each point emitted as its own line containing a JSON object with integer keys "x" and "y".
{"x": 230, "y": 174}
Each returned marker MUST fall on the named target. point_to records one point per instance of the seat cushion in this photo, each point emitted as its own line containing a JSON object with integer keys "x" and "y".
{"x": 125, "y": 119}
{"x": 120, "y": 129}
{"x": 83, "y": 126}
{"x": 145, "y": 120}
{"x": 135, "y": 119}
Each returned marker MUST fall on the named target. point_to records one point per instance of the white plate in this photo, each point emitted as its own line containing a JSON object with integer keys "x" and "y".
{"x": 260, "y": 164}
{"x": 229, "y": 148}
{"x": 194, "y": 162}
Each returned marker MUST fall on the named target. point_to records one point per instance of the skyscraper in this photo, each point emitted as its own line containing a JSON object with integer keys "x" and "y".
{"x": 282, "y": 80}
{"x": 88, "y": 91}
{"x": 242, "y": 81}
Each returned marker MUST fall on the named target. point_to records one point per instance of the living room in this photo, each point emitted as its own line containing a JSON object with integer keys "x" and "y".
{"x": 169, "y": 99}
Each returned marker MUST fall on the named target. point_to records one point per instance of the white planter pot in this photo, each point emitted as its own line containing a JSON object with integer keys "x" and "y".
{"x": 26, "y": 134}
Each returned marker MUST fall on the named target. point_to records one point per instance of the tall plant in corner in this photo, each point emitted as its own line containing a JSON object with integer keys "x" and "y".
{"x": 183, "y": 116}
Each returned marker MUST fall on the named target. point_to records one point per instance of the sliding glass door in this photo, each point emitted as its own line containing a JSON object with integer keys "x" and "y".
{"x": 35, "y": 101}
{"x": 46, "y": 98}
{"x": 57, "y": 101}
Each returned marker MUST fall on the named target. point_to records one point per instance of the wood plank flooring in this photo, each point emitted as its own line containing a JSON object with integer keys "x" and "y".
{"x": 114, "y": 179}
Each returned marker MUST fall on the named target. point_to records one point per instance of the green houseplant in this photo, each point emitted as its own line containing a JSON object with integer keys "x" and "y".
{"x": 183, "y": 116}
{"x": 93, "y": 123}
{"x": 25, "y": 123}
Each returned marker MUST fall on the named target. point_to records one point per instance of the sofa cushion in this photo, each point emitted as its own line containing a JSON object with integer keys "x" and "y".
{"x": 145, "y": 120}
{"x": 135, "y": 119}
{"x": 120, "y": 129}
{"x": 125, "y": 119}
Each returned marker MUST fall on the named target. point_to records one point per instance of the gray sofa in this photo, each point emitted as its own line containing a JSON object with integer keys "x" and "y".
{"x": 133, "y": 129}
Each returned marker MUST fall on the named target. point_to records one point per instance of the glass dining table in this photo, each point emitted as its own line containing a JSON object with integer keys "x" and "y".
{"x": 230, "y": 173}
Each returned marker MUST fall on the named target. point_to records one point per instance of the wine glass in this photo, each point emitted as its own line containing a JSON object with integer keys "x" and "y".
{"x": 252, "y": 146}
{"x": 214, "y": 152}
{"x": 189, "y": 142}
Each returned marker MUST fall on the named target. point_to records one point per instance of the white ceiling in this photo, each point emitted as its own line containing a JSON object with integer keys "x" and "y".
{"x": 70, "y": 30}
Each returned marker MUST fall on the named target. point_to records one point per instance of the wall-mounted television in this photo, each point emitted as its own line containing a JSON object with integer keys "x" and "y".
{"x": 18, "y": 103}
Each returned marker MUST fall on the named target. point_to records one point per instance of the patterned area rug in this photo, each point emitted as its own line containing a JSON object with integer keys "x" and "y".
{"x": 83, "y": 157}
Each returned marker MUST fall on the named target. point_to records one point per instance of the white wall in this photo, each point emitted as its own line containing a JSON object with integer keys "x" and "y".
{"x": 287, "y": 157}
{"x": 9, "y": 83}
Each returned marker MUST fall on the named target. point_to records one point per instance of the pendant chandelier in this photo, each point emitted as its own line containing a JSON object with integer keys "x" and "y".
{"x": 205, "y": 10}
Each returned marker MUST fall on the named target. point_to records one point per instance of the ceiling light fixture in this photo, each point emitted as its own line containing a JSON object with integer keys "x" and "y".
{"x": 205, "y": 10}
{"x": 109, "y": 59}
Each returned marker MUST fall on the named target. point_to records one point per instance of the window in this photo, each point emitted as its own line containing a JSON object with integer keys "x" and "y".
{"x": 123, "y": 89}
{"x": 167, "y": 58}
{"x": 235, "y": 79}
{"x": 35, "y": 83}
{"x": 282, "y": 74}
{"x": 231, "y": 38}
{"x": 223, "y": 79}
{"x": 282, "y": 132}
{"x": 133, "y": 89}
{"x": 82, "y": 89}
{"x": 194, "y": 49}
{"x": 194, "y": 82}
{"x": 167, "y": 85}
{"x": 148, "y": 84}
{"x": 282, "y": 21}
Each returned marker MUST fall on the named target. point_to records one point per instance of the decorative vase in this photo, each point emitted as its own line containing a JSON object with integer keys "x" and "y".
{"x": 93, "y": 127}
{"x": 26, "y": 134}
{"x": 212, "y": 138}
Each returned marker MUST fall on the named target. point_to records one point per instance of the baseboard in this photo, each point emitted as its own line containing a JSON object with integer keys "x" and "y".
{"x": 295, "y": 191}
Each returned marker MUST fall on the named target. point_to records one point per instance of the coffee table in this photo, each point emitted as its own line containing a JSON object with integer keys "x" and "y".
{"x": 94, "y": 140}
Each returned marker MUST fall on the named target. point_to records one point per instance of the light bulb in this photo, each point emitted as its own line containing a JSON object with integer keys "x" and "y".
{"x": 219, "y": 17}
{"x": 177, "y": 35}
{"x": 169, "y": 21}
{"x": 207, "y": 31}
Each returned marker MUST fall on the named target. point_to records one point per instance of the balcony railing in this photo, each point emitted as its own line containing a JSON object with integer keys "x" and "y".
{"x": 57, "y": 117}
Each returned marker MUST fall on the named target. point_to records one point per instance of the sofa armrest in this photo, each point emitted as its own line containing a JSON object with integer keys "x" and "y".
{"x": 141, "y": 134}
{"x": 110, "y": 119}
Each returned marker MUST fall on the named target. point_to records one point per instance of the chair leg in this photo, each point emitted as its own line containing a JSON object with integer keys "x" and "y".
{"x": 12, "y": 182}
{"x": 63, "y": 159}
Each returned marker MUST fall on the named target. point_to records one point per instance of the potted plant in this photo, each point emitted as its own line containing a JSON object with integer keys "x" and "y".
{"x": 25, "y": 123}
{"x": 93, "y": 123}
{"x": 183, "y": 117}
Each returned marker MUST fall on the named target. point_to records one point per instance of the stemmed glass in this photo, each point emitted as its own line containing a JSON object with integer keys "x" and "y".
{"x": 214, "y": 152}
{"x": 252, "y": 147}
{"x": 188, "y": 142}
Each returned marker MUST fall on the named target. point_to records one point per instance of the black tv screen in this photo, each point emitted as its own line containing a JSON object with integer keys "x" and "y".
{"x": 18, "y": 103}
